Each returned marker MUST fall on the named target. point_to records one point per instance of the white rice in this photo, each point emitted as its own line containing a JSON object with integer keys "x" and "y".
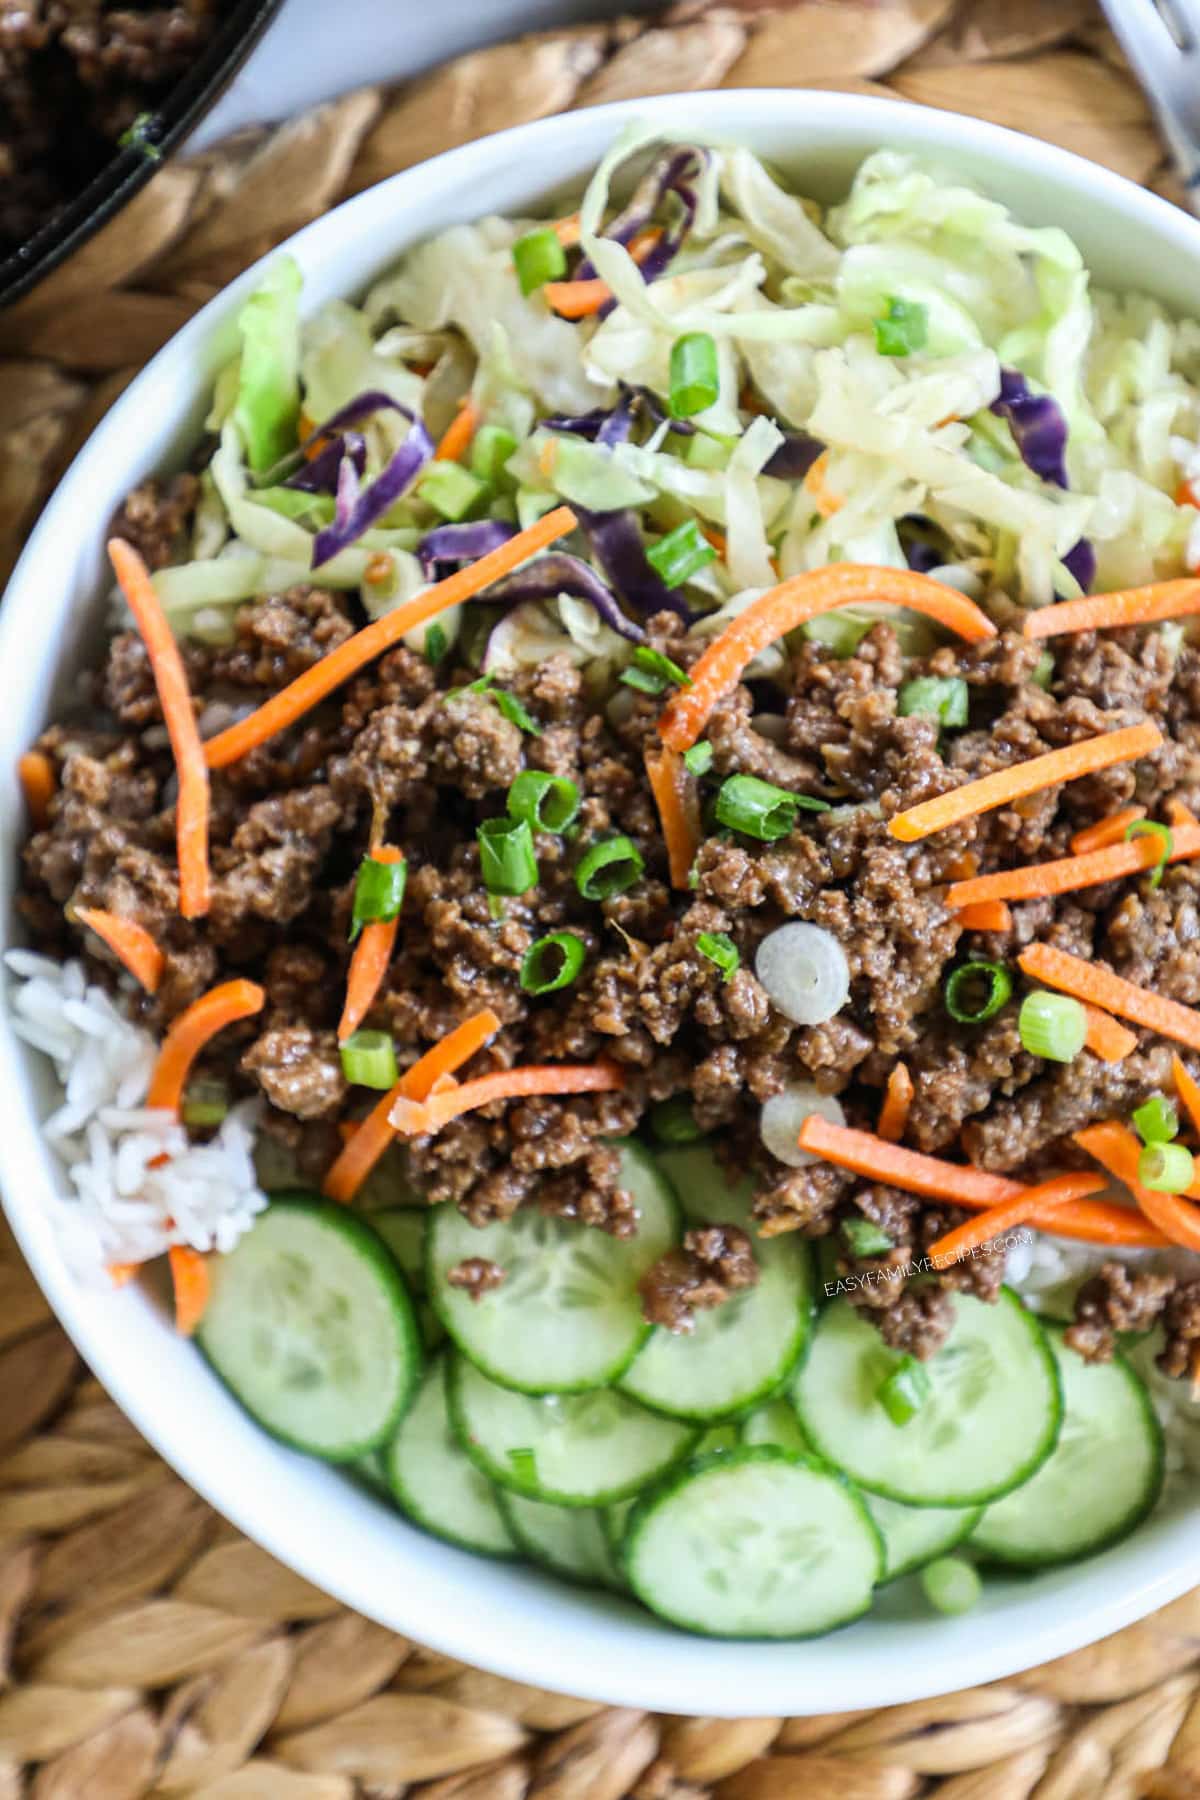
{"x": 123, "y": 1208}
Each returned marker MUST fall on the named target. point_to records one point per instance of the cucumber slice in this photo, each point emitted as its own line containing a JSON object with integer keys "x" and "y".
{"x": 435, "y": 1484}
{"x": 754, "y": 1543}
{"x": 991, "y": 1419}
{"x": 745, "y": 1348}
{"x": 568, "y": 1316}
{"x": 574, "y": 1449}
{"x": 310, "y": 1324}
{"x": 371, "y": 1470}
{"x": 1105, "y": 1474}
{"x": 615, "y": 1519}
{"x": 718, "y": 1437}
{"x": 775, "y": 1423}
{"x": 403, "y": 1230}
{"x": 568, "y": 1540}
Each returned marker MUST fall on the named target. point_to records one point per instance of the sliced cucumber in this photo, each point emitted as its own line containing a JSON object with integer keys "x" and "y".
{"x": 914, "y": 1535}
{"x": 745, "y": 1348}
{"x": 573, "y": 1449}
{"x": 615, "y": 1519}
{"x": 991, "y": 1417}
{"x": 569, "y": 1540}
{"x": 403, "y": 1230}
{"x": 568, "y": 1315}
{"x": 718, "y": 1437}
{"x": 775, "y": 1423}
{"x": 371, "y": 1470}
{"x": 435, "y": 1483}
{"x": 754, "y": 1543}
{"x": 310, "y": 1324}
{"x": 1104, "y": 1476}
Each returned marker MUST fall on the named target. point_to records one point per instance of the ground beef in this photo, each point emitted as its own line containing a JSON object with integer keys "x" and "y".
{"x": 157, "y": 516}
{"x": 74, "y": 75}
{"x": 478, "y": 1275}
{"x": 715, "y": 1262}
{"x": 1113, "y": 1301}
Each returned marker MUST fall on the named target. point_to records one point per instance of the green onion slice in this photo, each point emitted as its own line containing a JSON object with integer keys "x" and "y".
{"x": 547, "y": 802}
{"x": 942, "y": 697}
{"x": 552, "y": 963}
{"x": 673, "y": 1121}
{"x": 609, "y": 868}
{"x": 694, "y": 377}
{"x": 450, "y": 490}
{"x": 205, "y": 1103}
{"x": 720, "y": 949}
{"x": 1053, "y": 1026}
{"x": 681, "y": 554}
{"x": 1043, "y": 670}
{"x": 507, "y": 860}
{"x": 759, "y": 809}
{"x": 865, "y": 1238}
{"x": 951, "y": 1585}
{"x": 698, "y": 760}
{"x": 506, "y": 704}
{"x": 1156, "y": 1121}
{"x": 903, "y": 328}
{"x": 1166, "y": 844}
{"x": 905, "y": 1390}
{"x": 378, "y": 893}
{"x": 369, "y": 1059}
{"x": 976, "y": 991}
{"x": 538, "y": 257}
{"x": 491, "y": 448}
{"x": 1166, "y": 1168}
{"x": 436, "y": 643}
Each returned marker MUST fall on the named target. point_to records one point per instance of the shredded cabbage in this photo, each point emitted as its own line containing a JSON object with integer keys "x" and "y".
{"x": 267, "y": 405}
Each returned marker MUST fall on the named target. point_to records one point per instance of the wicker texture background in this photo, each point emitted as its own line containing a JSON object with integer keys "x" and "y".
{"x": 146, "y": 1648}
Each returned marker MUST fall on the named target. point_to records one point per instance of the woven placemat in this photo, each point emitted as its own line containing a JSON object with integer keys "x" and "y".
{"x": 145, "y": 1646}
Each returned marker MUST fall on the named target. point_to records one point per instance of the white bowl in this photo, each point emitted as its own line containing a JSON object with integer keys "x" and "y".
{"x": 509, "y": 1618}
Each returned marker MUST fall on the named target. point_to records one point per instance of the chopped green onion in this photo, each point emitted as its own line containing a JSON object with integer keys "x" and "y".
{"x": 865, "y": 1238}
{"x": 951, "y": 1585}
{"x": 506, "y": 704}
{"x": 369, "y": 1059}
{"x": 1052, "y": 1025}
{"x": 720, "y": 949}
{"x": 548, "y": 802}
{"x": 491, "y": 448}
{"x": 652, "y": 673}
{"x": 205, "y": 1103}
{"x": 698, "y": 760}
{"x": 609, "y": 868}
{"x": 1156, "y": 1121}
{"x": 1043, "y": 670}
{"x": 378, "y": 893}
{"x": 681, "y": 554}
{"x": 903, "y": 327}
{"x": 524, "y": 1466}
{"x": 436, "y": 643}
{"x": 450, "y": 490}
{"x": 759, "y": 809}
{"x": 506, "y": 856}
{"x": 138, "y": 137}
{"x": 976, "y": 991}
{"x": 538, "y": 257}
{"x": 552, "y": 963}
{"x": 1166, "y": 844}
{"x": 695, "y": 379}
{"x": 673, "y": 1121}
{"x": 905, "y": 1391}
{"x": 942, "y": 697}
{"x": 642, "y": 680}
{"x": 1166, "y": 1168}
{"x": 841, "y": 633}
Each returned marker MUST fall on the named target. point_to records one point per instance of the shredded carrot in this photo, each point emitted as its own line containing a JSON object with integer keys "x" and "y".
{"x": 189, "y": 1276}
{"x": 371, "y": 1138}
{"x": 1179, "y": 814}
{"x": 974, "y": 1233}
{"x": 717, "y": 539}
{"x": 580, "y": 299}
{"x": 35, "y": 772}
{"x": 567, "y": 230}
{"x": 455, "y": 441}
{"x": 1185, "y": 494}
{"x": 1106, "y": 831}
{"x": 1188, "y": 1089}
{"x": 677, "y": 799}
{"x": 1090, "y": 982}
{"x": 372, "y": 954}
{"x": 128, "y": 941}
{"x": 1107, "y": 1038}
{"x": 308, "y": 689}
{"x": 416, "y": 1119}
{"x": 190, "y": 1032}
{"x": 121, "y": 1274}
{"x": 1007, "y": 785}
{"x": 985, "y": 915}
{"x": 1070, "y": 872}
{"x": 964, "y": 866}
{"x": 819, "y": 490}
{"x": 782, "y": 608}
{"x": 1116, "y": 1149}
{"x": 893, "y": 1114}
{"x": 1128, "y": 606}
{"x": 170, "y": 679}
{"x": 1093, "y": 1221}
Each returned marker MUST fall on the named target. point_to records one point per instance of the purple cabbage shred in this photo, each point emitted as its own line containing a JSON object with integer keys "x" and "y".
{"x": 462, "y": 543}
{"x": 557, "y": 572}
{"x": 359, "y": 508}
{"x": 794, "y": 457}
{"x": 616, "y": 541}
{"x": 1037, "y": 425}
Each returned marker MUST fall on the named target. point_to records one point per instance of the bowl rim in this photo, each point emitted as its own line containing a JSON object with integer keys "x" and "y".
{"x": 601, "y": 1655}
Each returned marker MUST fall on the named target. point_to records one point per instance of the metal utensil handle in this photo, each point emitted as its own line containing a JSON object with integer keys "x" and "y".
{"x": 1161, "y": 38}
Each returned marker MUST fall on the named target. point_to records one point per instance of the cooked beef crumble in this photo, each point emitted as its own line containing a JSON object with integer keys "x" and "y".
{"x": 714, "y": 1263}
{"x": 392, "y": 752}
{"x": 479, "y": 1275}
{"x": 74, "y": 76}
